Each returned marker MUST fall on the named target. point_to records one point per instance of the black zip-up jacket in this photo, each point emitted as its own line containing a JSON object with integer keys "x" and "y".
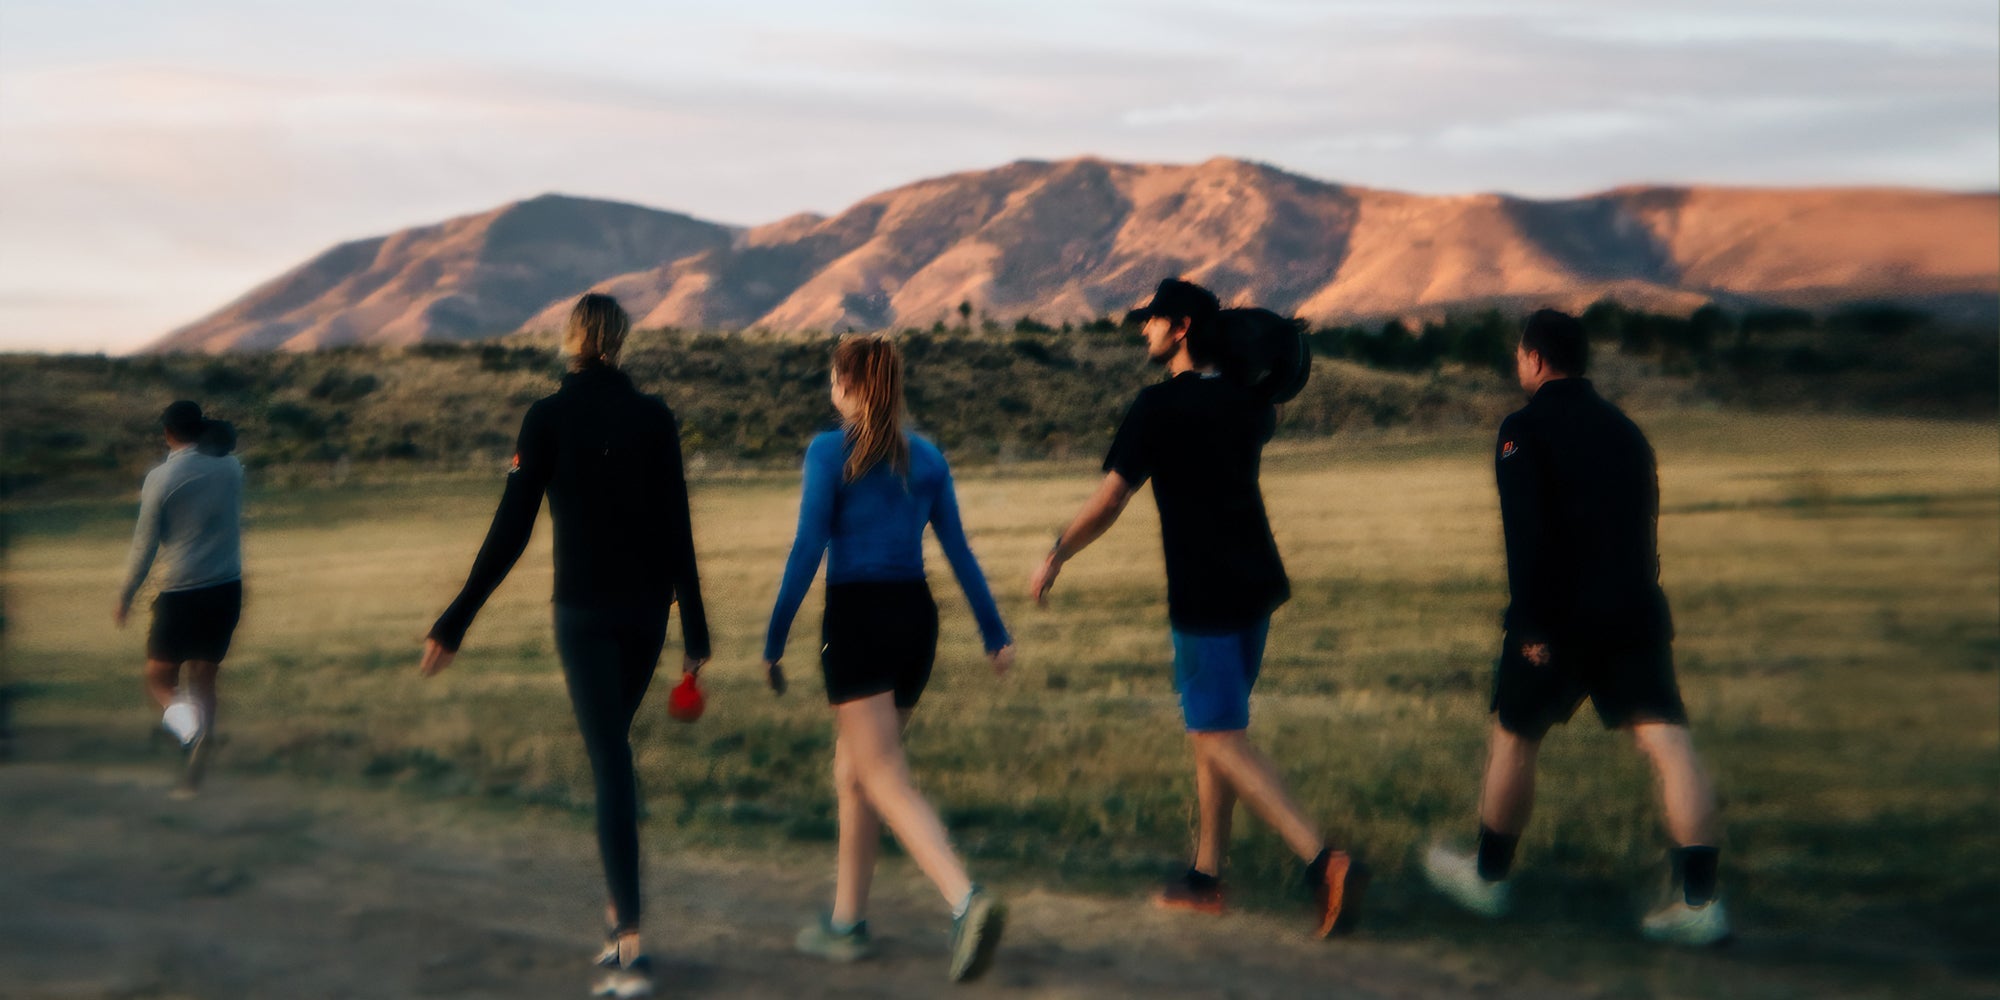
{"x": 609, "y": 457}
{"x": 1580, "y": 506}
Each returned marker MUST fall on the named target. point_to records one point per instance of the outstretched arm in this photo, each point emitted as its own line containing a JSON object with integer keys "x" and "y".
{"x": 687, "y": 579}
{"x": 1099, "y": 513}
{"x": 964, "y": 565}
{"x": 822, "y": 484}
{"x": 145, "y": 545}
{"x": 513, "y": 522}
{"x": 1524, "y": 521}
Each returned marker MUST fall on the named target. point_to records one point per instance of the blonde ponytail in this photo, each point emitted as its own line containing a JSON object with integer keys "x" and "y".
{"x": 870, "y": 368}
{"x": 596, "y": 332}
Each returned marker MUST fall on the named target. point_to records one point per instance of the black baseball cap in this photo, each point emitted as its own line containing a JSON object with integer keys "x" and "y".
{"x": 182, "y": 418}
{"x": 1176, "y": 298}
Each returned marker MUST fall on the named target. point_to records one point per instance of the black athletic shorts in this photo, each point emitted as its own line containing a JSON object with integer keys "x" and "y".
{"x": 878, "y": 637}
{"x": 195, "y": 624}
{"x": 1626, "y": 685}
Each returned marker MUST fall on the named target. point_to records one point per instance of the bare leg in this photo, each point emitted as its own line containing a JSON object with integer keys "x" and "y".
{"x": 860, "y": 836}
{"x": 870, "y": 732}
{"x": 1508, "y": 794}
{"x": 1685, "y": 792}
{"x": 860, "y": 840}
{"x": 1253, "y": 779}
{"x": 201, "y": 676}
{"x": 1218, "y": 810}
{"x": 162, "y": 677}
{"x": 630, "y": 947}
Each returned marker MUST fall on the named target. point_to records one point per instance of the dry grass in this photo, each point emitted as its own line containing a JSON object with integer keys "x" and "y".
{"x": 1834, "y": 581}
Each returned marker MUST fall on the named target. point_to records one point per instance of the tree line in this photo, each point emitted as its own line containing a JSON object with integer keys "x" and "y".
{"x": 990, "y": 392}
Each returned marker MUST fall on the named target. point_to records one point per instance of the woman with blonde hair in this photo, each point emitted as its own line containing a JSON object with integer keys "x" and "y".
{"x": 609, "y": 458}
{"x": 870, "y": 488}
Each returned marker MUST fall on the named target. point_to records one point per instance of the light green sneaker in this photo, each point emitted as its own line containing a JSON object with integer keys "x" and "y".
{"x": 1688, "y": 926}
{"x": 976, "y": 935}
{"x": 819, "y": 938}
{"x": 1456, "y": 875}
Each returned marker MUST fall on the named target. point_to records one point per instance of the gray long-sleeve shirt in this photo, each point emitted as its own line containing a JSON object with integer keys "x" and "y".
{"x": 190, "y": 508}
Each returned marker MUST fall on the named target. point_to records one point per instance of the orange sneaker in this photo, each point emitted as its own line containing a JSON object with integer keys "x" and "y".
{"x": 1193, "y": 891}
{"x": 1338, "y": 890}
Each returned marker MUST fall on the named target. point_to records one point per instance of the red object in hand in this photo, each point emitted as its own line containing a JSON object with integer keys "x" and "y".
{"x": 685, "y": 702}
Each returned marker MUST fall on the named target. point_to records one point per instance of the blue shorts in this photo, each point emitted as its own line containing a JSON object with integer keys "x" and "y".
{"x": 1214, "y": 672}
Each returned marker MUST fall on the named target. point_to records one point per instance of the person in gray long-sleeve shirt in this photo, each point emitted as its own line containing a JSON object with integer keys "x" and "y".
{"x": 190, "y": 511}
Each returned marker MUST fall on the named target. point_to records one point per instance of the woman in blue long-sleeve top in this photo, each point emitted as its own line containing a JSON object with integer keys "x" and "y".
{"x": 870, "y": 488}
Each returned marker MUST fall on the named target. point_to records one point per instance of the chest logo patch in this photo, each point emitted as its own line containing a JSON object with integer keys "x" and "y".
{"x": 1507, "y": 449}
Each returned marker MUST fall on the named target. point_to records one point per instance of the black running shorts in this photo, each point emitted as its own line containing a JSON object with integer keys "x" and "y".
{"x": 1627, "y": 685}
{"x": 878, "y": 637}
{"x": 195, "y": 624}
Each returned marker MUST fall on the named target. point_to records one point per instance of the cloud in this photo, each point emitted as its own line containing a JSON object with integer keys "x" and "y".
{"x": 194, "y": 151}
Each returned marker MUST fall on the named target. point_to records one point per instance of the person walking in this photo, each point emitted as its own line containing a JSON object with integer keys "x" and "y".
{"x": 1199, "y": 437}
{"x": 190, "y": 510}
{"x": 609, "y": 458}
{"x": 870, "y": 489}
{"x": 1580, "y": 508}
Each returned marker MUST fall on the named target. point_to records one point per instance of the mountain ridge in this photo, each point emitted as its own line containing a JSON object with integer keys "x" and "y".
{"x": 1080, "y": 238}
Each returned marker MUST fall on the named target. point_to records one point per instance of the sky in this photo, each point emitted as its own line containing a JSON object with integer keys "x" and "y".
{"x": 160, "y": 159}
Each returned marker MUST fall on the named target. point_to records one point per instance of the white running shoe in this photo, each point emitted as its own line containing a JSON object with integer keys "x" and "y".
{"x": 624, "y": 977}
{"x": 1689, "y": 926}
{"x": 183, "y": 719}
{"x": 628, "y": 981}
{"x": 1456, "y": 875}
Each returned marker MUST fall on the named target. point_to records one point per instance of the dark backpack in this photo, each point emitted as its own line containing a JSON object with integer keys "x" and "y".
{"x": 1265, "y": 353}
{"x": 218, "y": 438}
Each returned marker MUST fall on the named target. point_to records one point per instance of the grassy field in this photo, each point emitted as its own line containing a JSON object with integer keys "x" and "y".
{"x": 1836, "y": 583}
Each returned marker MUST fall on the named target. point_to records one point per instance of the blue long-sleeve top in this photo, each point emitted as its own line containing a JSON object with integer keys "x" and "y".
{"x": 874, "y": 529}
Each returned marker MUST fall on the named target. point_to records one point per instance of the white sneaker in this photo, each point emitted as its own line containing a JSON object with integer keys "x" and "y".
{"x": 625, "y": 980}
{"x": 183, "y": 719}
{"x": 1456, "y": 875}
{"x": 1688, "y": 926}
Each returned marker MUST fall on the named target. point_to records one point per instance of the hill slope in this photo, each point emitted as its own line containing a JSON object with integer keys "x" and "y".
{"x": 1083, "y": 238}
{"x": 461, "y": 279}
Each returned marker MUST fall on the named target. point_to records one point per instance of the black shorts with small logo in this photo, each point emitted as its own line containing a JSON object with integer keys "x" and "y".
{"x": 878, "y": 637}
{"x": 1626, "y": 684}
{"x": 195, "y": 624}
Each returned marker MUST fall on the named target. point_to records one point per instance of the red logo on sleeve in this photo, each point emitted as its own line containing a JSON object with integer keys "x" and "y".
{"x": 515, "y": 465}
{"x": 1507, "y": 449}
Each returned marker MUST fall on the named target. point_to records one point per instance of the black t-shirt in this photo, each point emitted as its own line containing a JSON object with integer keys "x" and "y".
{"x": 1200, "y": 439}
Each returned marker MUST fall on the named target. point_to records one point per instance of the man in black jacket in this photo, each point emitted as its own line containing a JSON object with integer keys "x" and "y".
{"x": 1580, "y": 507}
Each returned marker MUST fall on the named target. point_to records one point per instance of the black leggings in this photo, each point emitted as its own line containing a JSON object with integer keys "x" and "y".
{"x": 608, "y": 656}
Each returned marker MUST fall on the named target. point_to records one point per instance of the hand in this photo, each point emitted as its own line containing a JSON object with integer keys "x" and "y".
{"x": 122, "y": 612}
{"x": 1002, "y": 659}
{"x": 691, "y": 665}
{"x": 436, "y": 658}
{"x": 774, "y": 675}
{"x": 1536, "y": 653}
{"x": 1043, "y": 580}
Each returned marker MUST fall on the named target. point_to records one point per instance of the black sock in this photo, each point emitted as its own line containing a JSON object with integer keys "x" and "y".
{"x": 1496, "y": 853}
{"x": 1316, "y": 868}
{"x": 1694, "y": 871}
{"x": 1198, "y": 879}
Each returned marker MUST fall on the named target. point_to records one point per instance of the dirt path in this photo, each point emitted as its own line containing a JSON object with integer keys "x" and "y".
{"x": 264, "y": 888}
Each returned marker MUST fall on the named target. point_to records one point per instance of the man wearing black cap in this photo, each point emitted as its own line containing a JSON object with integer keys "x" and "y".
{"x": 190, "y": 508}
{"x": 1580, "y": 508}
{"x": 1199, "y": 437}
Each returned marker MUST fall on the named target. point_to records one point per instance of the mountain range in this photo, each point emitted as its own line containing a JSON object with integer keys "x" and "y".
{"x": 1077, "y": 239}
